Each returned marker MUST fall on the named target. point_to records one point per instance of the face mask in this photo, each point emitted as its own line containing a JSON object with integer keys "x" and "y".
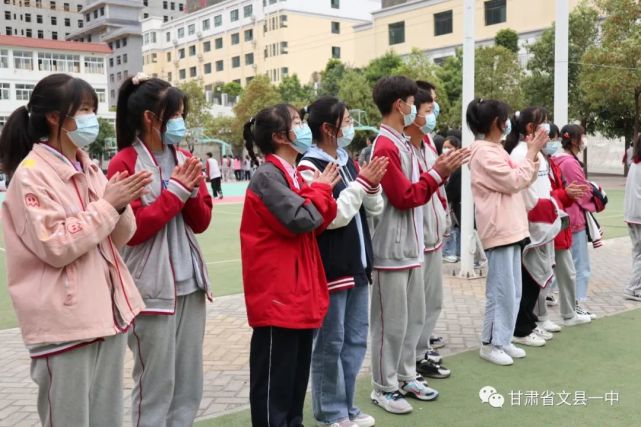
{"x": 552, "y": 147}
{"x": 86, "y": 132}
{"x": 175, "y": 131}
{"x": 303, "y": 138}
{"x": 446, "y": 150}
{"x": 508, "y": 128}
{"x": 409, "y": 118}
{"x": 430, "y": 124}
{"x": 348, "y": 136}
{"x": 545, "y": 127}
{"x": 437, "y": 109}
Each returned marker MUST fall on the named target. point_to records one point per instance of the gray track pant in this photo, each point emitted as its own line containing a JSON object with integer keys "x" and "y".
{"x": 634, "y": 230}
{"x": 565, "y": 279}
{"x": 433, "y": 282}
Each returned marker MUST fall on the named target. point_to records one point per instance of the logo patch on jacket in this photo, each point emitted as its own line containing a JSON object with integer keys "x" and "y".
{"x": 74, "y": 227}
{"x": 31, "y": 200}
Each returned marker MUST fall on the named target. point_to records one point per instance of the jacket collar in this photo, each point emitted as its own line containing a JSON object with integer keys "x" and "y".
{"x": 270, "y": 158}
{"x": 63, "y": 166}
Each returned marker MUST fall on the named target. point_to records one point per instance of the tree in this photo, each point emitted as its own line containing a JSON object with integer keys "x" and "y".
{"x": 99, "y": 147}
{"x": 199, "y": 115}
{"x": 232, "y": 89}
{"x": 450, "y": 74}
{"x": 221, "y": 127}
{"x": 293, "y": 92}
{"x": 498, "y": 75}
{"x": 331, "y": 77}
{"x": 382, "y": 66}
{"x": 356, "y": 92}
{"x": 507, "y": 38}
{"x": 258, "y": 94}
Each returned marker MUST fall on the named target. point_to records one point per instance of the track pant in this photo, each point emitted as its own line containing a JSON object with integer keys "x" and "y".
{"x": 168, "y": 364}
{"x": 502, "y": 294}
{"x": 634, "y": 230}
{"x": 526, "y": 319}
{"x": 397, "y": 316}
{"x": 81, "y": 387}
{"x": 581, "y": 259}
{"x": 565, "y": 278}
{"x": 433, "y": 282}
{"x": 216, "y": 187}
{"x": 279, "y": 363}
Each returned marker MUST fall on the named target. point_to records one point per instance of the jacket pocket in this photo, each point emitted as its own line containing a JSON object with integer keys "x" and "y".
{"x": 142, "y": 262}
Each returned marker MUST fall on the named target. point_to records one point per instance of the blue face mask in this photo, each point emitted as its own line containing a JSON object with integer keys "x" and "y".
{"x": 348, "y": 136}
{"x": 303, "y": 138}
{"x": 175, "y": 131}
{"x": 86, "y": 132}
{"x": 409, "y": 118}
{"x": 437, "y": 109}
{"x": 430, "y": 124}
{"x": 508, "y": 128}
{"x": 552, "y": 147}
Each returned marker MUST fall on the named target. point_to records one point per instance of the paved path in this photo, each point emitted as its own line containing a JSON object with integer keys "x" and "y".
{"x": 227, "y": 338}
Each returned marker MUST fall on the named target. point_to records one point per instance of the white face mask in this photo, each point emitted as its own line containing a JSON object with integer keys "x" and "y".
{"x": 446, "y": 150}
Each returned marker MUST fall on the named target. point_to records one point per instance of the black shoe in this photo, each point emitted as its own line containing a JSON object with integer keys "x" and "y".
{"x": 437, "y": 342}
{"x": 433, "y": 355}
{"x": 429, "y": 369}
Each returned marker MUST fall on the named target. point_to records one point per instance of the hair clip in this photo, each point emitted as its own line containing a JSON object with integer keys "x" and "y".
{"x": 566, "y": 135}
{"x": 139, "y": 78}
{"x": 517, "y": 114}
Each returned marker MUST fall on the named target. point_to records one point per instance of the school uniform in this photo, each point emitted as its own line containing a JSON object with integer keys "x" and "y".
{"x": 170, "y": 273}
{"x": 397, "y": 314}
{"x": 285, "y": 286}
{"x": 215, "y": 176}
{"x": 346, "y": 250}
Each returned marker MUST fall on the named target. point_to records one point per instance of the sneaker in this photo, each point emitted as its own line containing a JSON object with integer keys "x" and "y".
{"x": 495, "y": 355}
{"x": 532, "y": 340}
{"x": 451, "y": 259}
{"x": 433, "y": 355}
{"x": 429, "y": 369}
{"x": 580, "y": 310}
{"x": 363, "y": 420}
{"x": 635, "y": 296}
{"x": 543, "y": 333}
{"x": 437, "y": 342}
{"x": 549, "y": 326}
{"x": 418, "y": 390}
{"x": 514, "y": 352}
{"x": 578, "y": 319}
{"x": 392, "y": 402}
{"x": 343, "y": 423}
{"x": 551, "y": 300}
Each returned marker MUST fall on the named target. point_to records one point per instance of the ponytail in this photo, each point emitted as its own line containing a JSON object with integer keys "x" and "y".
{"x": 513, "y": 138}
{"x": 534, "y": 115}
{"x": 248, "y": 136}
{"x": 260, "y": 129}
{"x": 569, "y": 134}
{"x": 16, "y": 140}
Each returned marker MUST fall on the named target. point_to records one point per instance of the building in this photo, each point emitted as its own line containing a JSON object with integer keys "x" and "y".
{"x": 194, "y": 5}
{"x": 117, "y": 22}
{"x": 41, "y": 19}
{"x": 235, "y": 40}
{"x": 25, "y": 61}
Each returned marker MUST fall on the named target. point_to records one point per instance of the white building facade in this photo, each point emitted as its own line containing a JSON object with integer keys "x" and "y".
{"x": 42, "y": 19}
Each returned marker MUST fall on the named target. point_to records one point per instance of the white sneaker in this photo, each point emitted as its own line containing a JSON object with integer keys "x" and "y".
{"x": 495, "y": 355}
{"x": 451, "y": 259}
{"x": 581, "y": 310}
{"x": 578, "y": 319}
{"x": 549, "y": 326}
{"x": 343, "y": 423}
{"x": 364, "y": 420}
{"x": 543, "y": 333}
{"x": 514, "y": 351}
{"x": 532, "y": 340}
{"x": 392, "y": 402}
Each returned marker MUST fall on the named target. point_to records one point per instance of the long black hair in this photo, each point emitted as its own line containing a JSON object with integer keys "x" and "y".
{"x": 56, "y": 93}
{"x": 534, "y": 115}
{"x": 260, "y": 129}
{"x": 326, "y": 109}
{"x": 636, "y": 150}
{"x": 571, "y": 133}
{"x": 481, "y": 113}
{"x": 155, "y": 95}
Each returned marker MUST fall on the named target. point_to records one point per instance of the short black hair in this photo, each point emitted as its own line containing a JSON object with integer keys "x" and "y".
{"x": 209, "y": 154}
{"x": 425, "y": 86}
{"x": 422, "y": 97}
{"x": 453, "y": 140}
{"x": 325, "y": 109}
{"x": 388, "y": 89}
{"x": 554, "y": 131}
{"x": 481, "y": 113}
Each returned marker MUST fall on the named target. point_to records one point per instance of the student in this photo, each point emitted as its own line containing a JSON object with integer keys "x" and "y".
{"x": 632, "y": 216}
{"x": 238, "y": 169}
{"x": 283, "y": 277}
{"x": 434, "y": 224}
{"x": 163, "y": 254}
{"x": 398, "y": 299}
{"x": 63, "y": 223}
{"x": 501, "y": 221}
{"x": 346, "y": 250}
{"x": 214, "y": 175}
{"x": 573, "y": 143}
{"x": 452, "y": 248}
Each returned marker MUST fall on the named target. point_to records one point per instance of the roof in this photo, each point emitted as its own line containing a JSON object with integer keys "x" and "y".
{"x": 54, "y": 44}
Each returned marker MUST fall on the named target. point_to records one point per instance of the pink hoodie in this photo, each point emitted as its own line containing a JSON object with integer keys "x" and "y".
{"x": 501, "y": 218}
{"x": 573, "y": 172}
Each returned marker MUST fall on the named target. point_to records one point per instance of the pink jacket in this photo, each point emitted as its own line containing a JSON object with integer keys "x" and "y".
{"x": 573, "y": 172}
{"x": 501, "y": 218}
{"x": 66, "y": 278}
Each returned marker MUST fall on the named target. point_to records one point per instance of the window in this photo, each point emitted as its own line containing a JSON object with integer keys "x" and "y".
{"x": 206, "y": 24}
{"x": 95, "y": 14}
{"x": 235, "y": 38}
{"x": 182, "y": 74}
{"x": 52, "y": 5}
{"x": 4, "y": 91}
{"x": 284, "y": 71}
{"x": 235, "y": 61}
{"x": 145, "y": 15}
{"x": 218, "y": 20}
{"x": 249, "y": 59}
{"x": 249, "y": 35}
{"x": 192, "y": 50}
{"x": 495, "y": 12}
{"x": 7, "y": 15}
{"x": 218, "y": 43}
{"x": 145, "y": 3}
{"x": 87, "y": 17}
{"x": 39, "y": 19}
{"x": 23, "y": 92}
{"x": 168, "y": 56}
{"x": 117, "y": 44}
{"x": 102, "y": 11}
{"x": 192, "y": 72}
{"x": 165, "y": 18}
{"x": 94, "y": 65}
{"x": 111, "y": 62}
{"x": 80, "y": 23}
{"x": 443, "y": 23}
{"x": 180, "y": 7}
{"x": 54, "y": 20}
{"x": 102, "y": 95}
{"x": 169, "y": 76}
{"x": 336, "y": 27}
{"x": 233, "y": 15}
{"x": 283, "y": 47}
{"x": 206, "y": 46}
{"x": 165, "y": 5}
{"x": 22, "y": 60}
{"x": 397, "y": 33}
{"x": 29, "y": 33}
{"x": 41, "y": 34}
{"x": 181, "y": 33}
{"x": 8, "y": 31}
{"x": 191, "y": 29}
{"x": 283, "y": 21}
{"x": 124, "y": 41}
{"x": 124, "y": 58}
{"x": 112, "y": 78}
{"x": 219, "y": 65}
{"x": 67, "y": 22}
{"x": 181, "y": 53}
{"x": 4, "y": 58}
{"x": 118, "y": 60}
{"x": 247, "y": 11}
{"x": 336, "y": 4}
{"x": 27, "y": 17}
{"x": 168, "y": 36}
{"x": 173, "y": 6}
{"x": 336, "y": 52}
{"x": 207, "y": 68}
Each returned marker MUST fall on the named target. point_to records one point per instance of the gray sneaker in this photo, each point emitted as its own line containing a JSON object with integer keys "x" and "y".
{"x": 392, "y": 402}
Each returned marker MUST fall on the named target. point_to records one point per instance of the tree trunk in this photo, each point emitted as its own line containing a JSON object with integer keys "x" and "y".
{"x": 585, "y": 152}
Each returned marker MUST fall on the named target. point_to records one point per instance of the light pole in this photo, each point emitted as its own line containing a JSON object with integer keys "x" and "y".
{"x": 561, "y": 57}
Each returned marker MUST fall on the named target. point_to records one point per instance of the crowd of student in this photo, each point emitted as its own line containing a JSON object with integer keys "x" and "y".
{"x": 331, "y": 251}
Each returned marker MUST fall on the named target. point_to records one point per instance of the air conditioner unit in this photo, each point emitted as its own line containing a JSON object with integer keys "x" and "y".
{"x": 175, "y": 42}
